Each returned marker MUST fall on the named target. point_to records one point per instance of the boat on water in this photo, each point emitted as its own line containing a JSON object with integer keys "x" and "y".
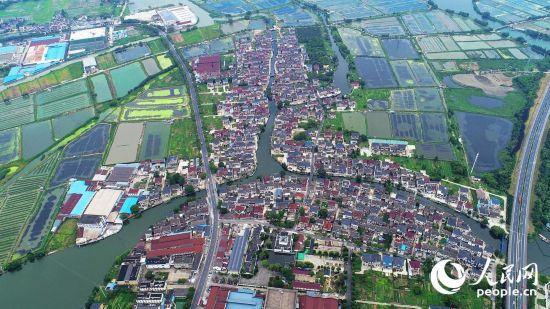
{"x": 545, "y": 239}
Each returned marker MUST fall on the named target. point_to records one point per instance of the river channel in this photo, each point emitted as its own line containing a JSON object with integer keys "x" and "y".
{"x": 65, "y": 279}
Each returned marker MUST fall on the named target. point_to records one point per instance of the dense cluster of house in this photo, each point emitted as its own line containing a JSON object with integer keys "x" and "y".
{"x": 244, "y": 110}
{"x": 399, "y": 224}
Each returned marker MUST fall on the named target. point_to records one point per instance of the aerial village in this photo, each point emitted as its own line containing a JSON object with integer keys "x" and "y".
{"x": 369, "y": 185}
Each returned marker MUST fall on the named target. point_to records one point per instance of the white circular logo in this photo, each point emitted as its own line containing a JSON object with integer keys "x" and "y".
{"x": 442, "y": 282}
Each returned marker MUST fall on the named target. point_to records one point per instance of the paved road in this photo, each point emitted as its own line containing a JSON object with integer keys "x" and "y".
{"x": 211, "y": 189}
{"x": 517, "y": 243}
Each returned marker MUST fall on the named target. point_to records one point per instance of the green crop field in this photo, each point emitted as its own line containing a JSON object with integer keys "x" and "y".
{"x": 156, "y": 46}
{"x": 155, "y": 140}
{"x": 127, "y": 77}
{"x": 9, "y": 145}
{"x": 164, "y": 61}
{"x": 378, "y": 124}
{"x": 18, "y": 203}
{"x": 63, "y": 106}
{"x": 53, "y": 78}
{"x": 16, "y": 112}
{"x": 183, "y": 139}
{"x": 355, "y": 122}
{"x": 60, "y": 92}
{"x": 147, "y": 114}
{"x": 101, "y": 88}
{"x": 42, "y": 11}
{"x": 198, "y": 35}
{"x": 105, "y": 61}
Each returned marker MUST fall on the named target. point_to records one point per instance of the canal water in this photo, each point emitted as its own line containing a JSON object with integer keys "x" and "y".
{"x": 65, "y": 279}
{"x": 340, "y": 78}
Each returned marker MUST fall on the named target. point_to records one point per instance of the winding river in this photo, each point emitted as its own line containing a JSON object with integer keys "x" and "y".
{"x": 66, "y": 278}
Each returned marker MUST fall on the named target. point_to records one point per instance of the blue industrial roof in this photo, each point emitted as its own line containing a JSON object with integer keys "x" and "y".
{"x": 243, "y": 299}
{"x": 56, "y": 52}
{"x": 128, "y": 203}
{"x": 17, "y": 73}
{"x": 237, "y": 252}
{"x": 387, "y": 141}
{"x": 79, "y": 187}
{"x": 8, "y": 49}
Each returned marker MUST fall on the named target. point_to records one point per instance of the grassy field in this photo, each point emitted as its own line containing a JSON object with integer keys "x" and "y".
{"x": 105, "y": 61}
{"x": 42, "y": 11}
{"x": 156, "y": 46}
{"x": 355, "y": 121}
{"x": 336, "y": 124}
{"x": 198, "y": 35}
{"x": 457, "y": 99}
{"x": 55, "y": 77}
{"x": 164, "y": 61}
{"x": 374, "y": 286}
{"x": 64, "y": 237}
{"x": 183, "y": 139}
{"x": 361, "y": 96}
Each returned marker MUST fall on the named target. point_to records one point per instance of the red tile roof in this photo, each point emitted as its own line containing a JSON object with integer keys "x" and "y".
{"x": 217, "y": 297}
{"x": 307, "y": 286}
{"x": 310, "y": 302}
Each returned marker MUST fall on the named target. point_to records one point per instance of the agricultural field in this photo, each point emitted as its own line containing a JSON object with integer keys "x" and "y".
{"x": 150, "y": 66}
{"x": 376, "y": 72}
{"x": 375, "y": 286}
{"x": 106, "y": 61}
{"x": 155, "y": 141}
{"x": 9, "y": 145}
{"x": 16, "y": 112}
{"x": 360, "y": 45}
{"x": 124, "y": 148}
{"x": 66, "y": 124}
{"x": 131, "y": 53}
{"x": 61, "y": 92}
{"x": 434, "y": 127}
{"x": 94, "y": 141}
{"x": 164, "y": 61}
{"x": 65, "y": 236}
{"x": 127, "y": 78}
{"x": 183, "y": 139}
{"x": 42, "y": 11}
{"x": 80, "y": 168}
{"x": 158, "y": 104}
{"x": 293, "y": 16}
{"x": 18, "y": 203}
{"x": 156, "y": 46}
{"x": 216, "y": 46}
{"x": 355, "y": 121}
{"x": 39, "y": 225}
{"x": 54, "y": 77}
{"x": 387, "y": 26}
{"x": 198, "y": 35}
{"x": 403, "y": 100}
{"x": 429, "y": 100}
{"x": 102, "y": 90}
{"x": 63, "y": 106}
{"x": 413, "y": 73}
{"x": 405, "y": 126}
{"x": 341, "y": 10}
{"x": 437, "y": 22}
{"x": 431, "y": 151}
{"x": 36, "y": 138}
{"x": 400, "y": 49}
{"x": 378, "y": 124}
{"x": 371, "y": 99}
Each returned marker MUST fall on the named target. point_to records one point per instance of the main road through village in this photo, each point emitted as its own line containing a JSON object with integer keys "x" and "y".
{"x": 211, "y": 189}
{"x": 517, "y": 244}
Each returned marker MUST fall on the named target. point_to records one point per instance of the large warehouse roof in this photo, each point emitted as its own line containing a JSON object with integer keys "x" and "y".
{"x": 103, "y": 202}
{"x": 88, "y": 34}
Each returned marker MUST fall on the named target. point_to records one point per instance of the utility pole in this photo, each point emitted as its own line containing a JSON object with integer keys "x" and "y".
{"x": 473, "y": 165}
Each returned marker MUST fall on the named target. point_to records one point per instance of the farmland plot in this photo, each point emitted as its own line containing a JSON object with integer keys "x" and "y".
{"x": 92, "y": 142}
{"x": 37, "y": 137}
{"x": 127, "y": 78}
{"x": 66, "y": 124}
{"x": 101, "y": 88}
{"x": 61, "y": 92}
{"x": 434, "y": 127}
{"x": 9, "y": 145}
{"x": 126, "y": 143}
{"x": 405, "y": 126}
{"x": 376, "y": 72}
{"x": 155, "y": 140}
{"x": 63, "y": 106}
{"x": 378, "y": 124}
{"x": 16, "y": 112}
{"x": 81, "y": 168}
{"x": 360, "y": 45}
{"x": 355, "y": 121}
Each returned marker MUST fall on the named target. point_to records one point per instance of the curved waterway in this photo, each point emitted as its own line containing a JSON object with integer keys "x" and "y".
{"x": 65, "y": 279}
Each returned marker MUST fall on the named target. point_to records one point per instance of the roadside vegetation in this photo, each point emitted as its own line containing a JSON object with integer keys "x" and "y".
{"x": 540, "y": 215}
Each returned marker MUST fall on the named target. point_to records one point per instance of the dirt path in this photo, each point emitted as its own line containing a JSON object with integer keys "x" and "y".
{"x": 387, "y": 304}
